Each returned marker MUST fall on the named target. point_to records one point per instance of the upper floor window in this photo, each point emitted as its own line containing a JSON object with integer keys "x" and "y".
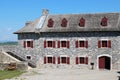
{"x": 104, "y": 21}
{"x": 104, "y": 43}
{"x": 81, "y": 44}
{"x": 64, "y": 22}
{"x": 28, "y": 44}
{"x": 49, "y": 44}
{"x": 82, "y": 22}
{"x": 50, "y": 23}
{"x": 64, "y": 44}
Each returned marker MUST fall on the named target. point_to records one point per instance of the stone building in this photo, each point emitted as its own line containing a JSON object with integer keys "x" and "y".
{"x": 72, "y": 40}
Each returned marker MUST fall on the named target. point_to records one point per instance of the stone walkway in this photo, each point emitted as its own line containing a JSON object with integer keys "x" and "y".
{"x": 68, "y": 74}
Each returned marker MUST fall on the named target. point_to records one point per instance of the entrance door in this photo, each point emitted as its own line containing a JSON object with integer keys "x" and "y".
{"x": 104, "y": 62}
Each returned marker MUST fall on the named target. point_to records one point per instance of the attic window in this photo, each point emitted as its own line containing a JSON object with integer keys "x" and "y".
{"x": 64, "y": 22}
{"x": 82, "y": 22}
{"x": 50, "y": 23}
{"x": 104, "y": 21}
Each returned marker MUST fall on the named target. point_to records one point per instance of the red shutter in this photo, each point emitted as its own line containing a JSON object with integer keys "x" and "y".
{"x": 68, "y": 44}
{"x": 68, "y": 60}
{"x": 58, "y": 44}
{"x": 45, "y": 59}
{"x": 58, "y": 60}
{"x": 86, "y": 44}
{"x": 86, "y": 60}
{"x": 45, "y": 44}
{"x": 76, "y": 43}
{"x": 99, "y": 44}
{"x": 54, "y": 60}
{"x": 24, "y": 43}
{"x": 109, "y": 43}
{"x": 31, "y": 44}
{"x": 76, "y": 60}
{"x": 53, "y": 44}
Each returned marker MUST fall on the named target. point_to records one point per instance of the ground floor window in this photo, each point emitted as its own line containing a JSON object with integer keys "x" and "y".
{"x": 63, "y": 60}
{"x": 49, "y": 59}
{"x": 81, "y": 60}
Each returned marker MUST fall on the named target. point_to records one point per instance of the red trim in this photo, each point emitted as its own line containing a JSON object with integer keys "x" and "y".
{"x": 109, "y": 43}
{"x": 68, "y": 44}
{"x": 31, "y": 44}
{"x": 68, "y": 60}
{"x": 64, "y": 22}
{"x": 86, "y": 44}
{"x": 45, "y": 44}
{"x": 54, "y": 44}
{"x": 76, "y": 43}
{"x": 99, "y": 44}
{"x": 76, "y": 60}
{"x": 24, "y": 44}
{"x": 58, "y": 44}
{"x": 45, "y": 59}
{"x": 86, "y": 61}
{"x": 54, "y": 60}
{"x": 59, "y": 60}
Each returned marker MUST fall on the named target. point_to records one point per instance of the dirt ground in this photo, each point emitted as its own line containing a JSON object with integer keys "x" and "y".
{"x": 68, "y": 74}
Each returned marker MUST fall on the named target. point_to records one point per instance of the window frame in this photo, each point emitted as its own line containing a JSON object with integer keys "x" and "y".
{"x": 50, "y": 23}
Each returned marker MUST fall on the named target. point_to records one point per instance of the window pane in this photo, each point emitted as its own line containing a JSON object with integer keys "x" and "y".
{"x": 104, "y": 43}
{"x": 49, "y": 59}
{"x": 63, "y": 59}
{"x": 82, "y": 43}
{"x": 28, "y": 43}
{"x": 82, "y": 60}
{"x": 63, "y": 44}
{"x": 49, "y": 43}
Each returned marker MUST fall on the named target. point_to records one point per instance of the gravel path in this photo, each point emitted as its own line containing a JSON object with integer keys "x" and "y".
{"x": 68, "y": 74}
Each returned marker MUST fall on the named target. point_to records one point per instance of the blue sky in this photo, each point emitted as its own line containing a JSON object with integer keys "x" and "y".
{"x": 14, "y": 13}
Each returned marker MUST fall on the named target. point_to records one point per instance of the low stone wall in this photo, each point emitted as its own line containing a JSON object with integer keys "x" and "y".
{"x": 19, "y": 66}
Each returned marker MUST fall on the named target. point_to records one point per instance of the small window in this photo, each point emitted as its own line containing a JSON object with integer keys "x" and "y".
{"x": 82, "y": 22}
{"x": 63, "y": 60}
{"x": 81, "y": 60}
{"x": 50, "y": 23}
{"x": 104, "y": 44}
{"x": 81, "y": 44}
{"x": 28, "y": 44}
{"x": 49, "y": 59}
{"x": 28, "y": 57}
{"x": 104, "y": 21}
{"x": 64, "y": 22}
{"x": 63, "y": 43}
{"x": 49, "y": 44}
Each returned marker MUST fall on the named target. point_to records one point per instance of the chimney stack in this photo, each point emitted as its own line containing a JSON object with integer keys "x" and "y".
{"x": 45, "y": 12}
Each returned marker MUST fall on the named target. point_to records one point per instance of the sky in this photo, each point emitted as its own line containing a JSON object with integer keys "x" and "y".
{"x": 14, "y": 13}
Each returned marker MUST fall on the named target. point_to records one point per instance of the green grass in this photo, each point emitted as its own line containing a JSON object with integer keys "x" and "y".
{"x": 9, "y": 74}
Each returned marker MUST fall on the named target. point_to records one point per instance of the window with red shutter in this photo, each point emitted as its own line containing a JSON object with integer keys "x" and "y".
{"x": 28, "y": 43}
{"x": 50, "y": 23}
{"x": 104, "y": 43}
{"x": 104, "y": 21}
{"x": 49, "y": 43}
{"x": 81, "y": 43}
{"x": 82, "y": 60}
{"x": 63, "y": 60}
{"x": 82, "y": 22}
{"x": 63, "y": 43}
{"x": 64, "y": 22}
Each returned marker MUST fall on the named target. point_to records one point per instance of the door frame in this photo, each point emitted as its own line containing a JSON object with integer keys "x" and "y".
{"x": 107, "y": 55}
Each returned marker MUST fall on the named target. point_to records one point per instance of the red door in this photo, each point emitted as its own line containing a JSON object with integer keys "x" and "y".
{"x": 102, "y": 62}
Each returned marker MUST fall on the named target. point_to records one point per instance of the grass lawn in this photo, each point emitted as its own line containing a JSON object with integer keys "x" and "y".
{"x": 9, "y": 74}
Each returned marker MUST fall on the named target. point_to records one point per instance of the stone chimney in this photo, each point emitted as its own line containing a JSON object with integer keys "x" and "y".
{"x": 45, "y": 12}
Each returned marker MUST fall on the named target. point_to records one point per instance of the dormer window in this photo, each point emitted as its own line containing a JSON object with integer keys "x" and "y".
{"x": 104, "y": 21}
{"x": 82, "y": 22}
{"x": 64, "y": 22}
{"x": 50, "y": 23}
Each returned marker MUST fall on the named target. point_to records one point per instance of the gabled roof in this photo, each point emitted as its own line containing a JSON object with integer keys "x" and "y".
{"x": 92, "y": 23}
